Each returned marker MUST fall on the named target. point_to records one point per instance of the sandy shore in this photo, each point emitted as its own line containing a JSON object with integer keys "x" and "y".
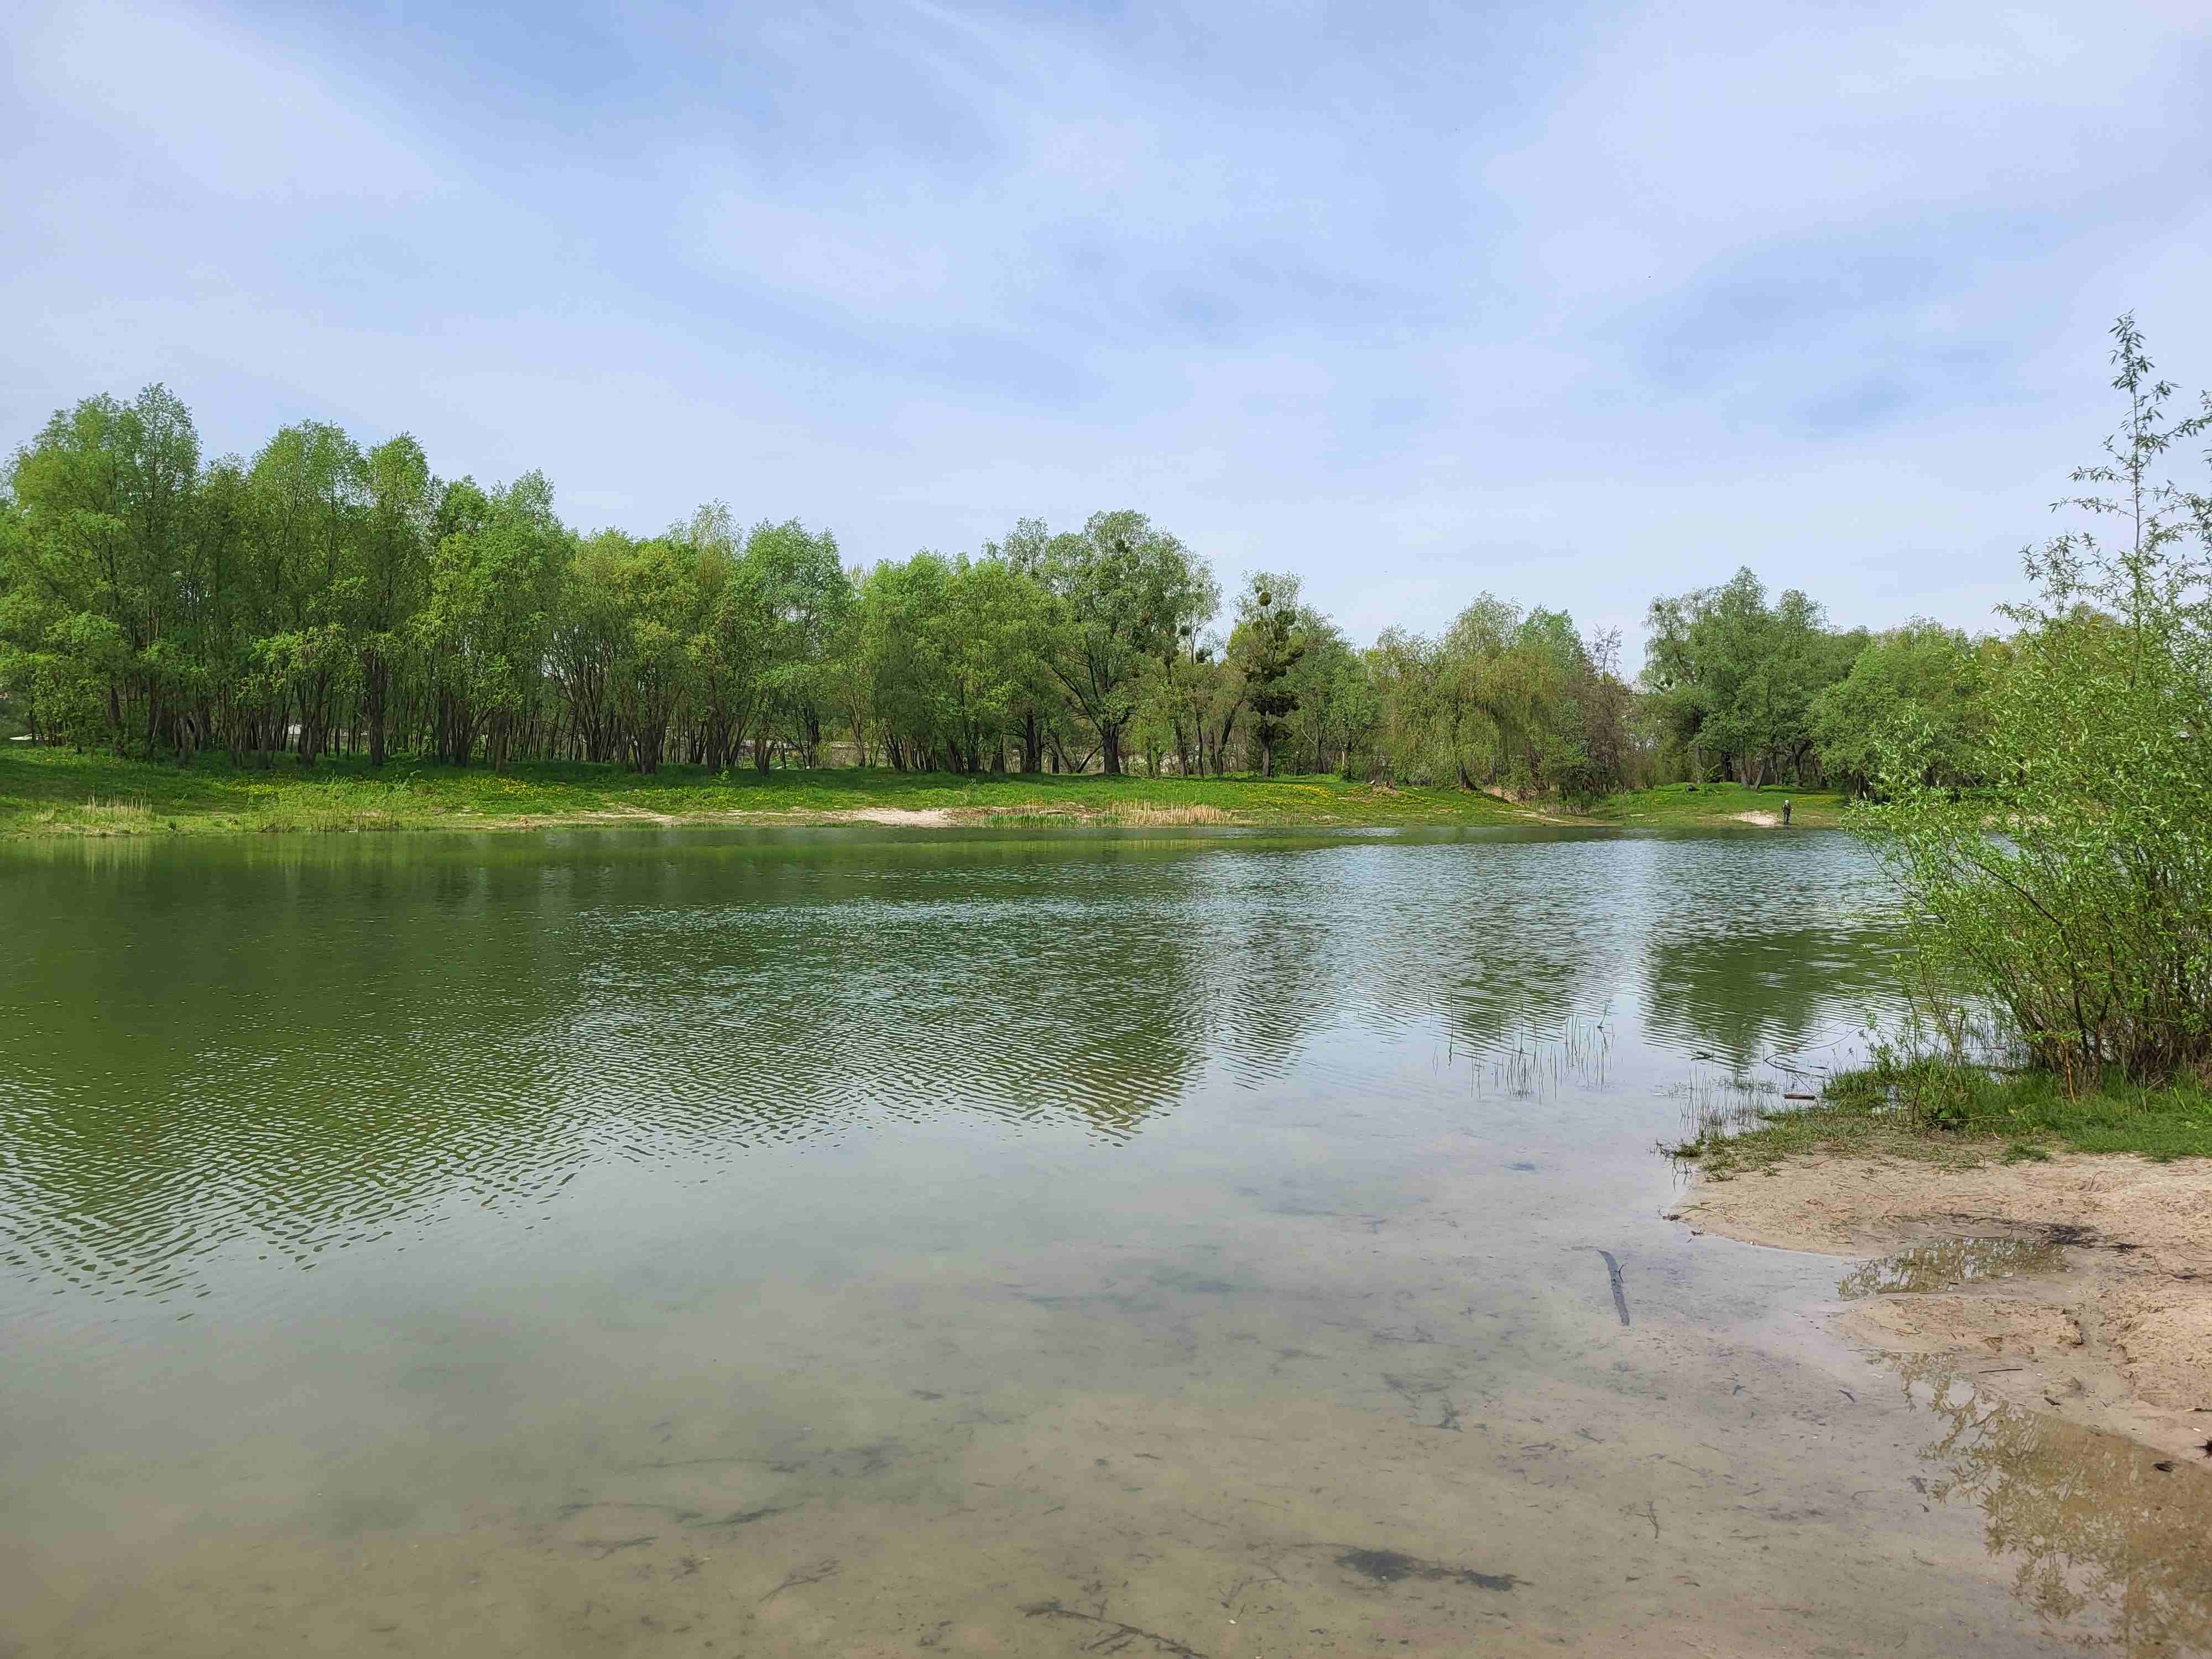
{"x": 2082, "y": 1286}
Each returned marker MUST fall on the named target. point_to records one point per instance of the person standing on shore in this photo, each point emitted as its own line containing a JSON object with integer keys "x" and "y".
{"x": 1785, "y": 812}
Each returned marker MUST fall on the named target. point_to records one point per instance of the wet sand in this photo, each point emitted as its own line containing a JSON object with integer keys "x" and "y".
{"x": 1353, "y": 1432}
{"x": 2080, "y": 1287}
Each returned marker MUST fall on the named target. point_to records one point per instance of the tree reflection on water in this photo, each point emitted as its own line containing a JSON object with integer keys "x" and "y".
{"x": 2100, "y": 1530}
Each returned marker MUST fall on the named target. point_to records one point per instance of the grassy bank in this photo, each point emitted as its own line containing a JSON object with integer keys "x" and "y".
{"x": 1693, "y": 805}
{"x": 1927, "y": 1110}
{"x": 63, "y": 791}
{"x": 60, "y": 792}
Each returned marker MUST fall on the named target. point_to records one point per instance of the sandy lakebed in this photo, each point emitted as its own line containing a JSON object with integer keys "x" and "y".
{"x": 2080, "y": 1286}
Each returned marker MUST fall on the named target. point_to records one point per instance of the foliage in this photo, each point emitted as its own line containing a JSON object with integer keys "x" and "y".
{"x": 2072, "y": 892}
{"x": 1268, "y": 644}
{"x": 1916, "y": 696}
{"x": 323, "y": 600}
{"x": 1506, "y": 701}
{"x": 1922, "y": 1107}
{"x": 1121, "y": 593}
{"x": 1734, "y": 678}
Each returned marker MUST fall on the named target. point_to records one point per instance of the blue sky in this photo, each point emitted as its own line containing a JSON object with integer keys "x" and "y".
{"x": 1577, "y": 304}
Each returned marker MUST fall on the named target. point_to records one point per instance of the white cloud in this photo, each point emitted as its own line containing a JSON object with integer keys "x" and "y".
{"x": 186, "y": 94}
{"x": 1413, "y": 316}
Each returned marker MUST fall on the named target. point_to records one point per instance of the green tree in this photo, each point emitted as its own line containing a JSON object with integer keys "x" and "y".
{"x": 392, "y": 573}
{"x": 310, "y": 503}
{"x": 1268, "y": 644}
{"x": 1916, "y": 691}
{"x": 1734, "y": 678}
{"x": 103, "y": 500}
{"x": 730, "y": 650}
{"x": 2072, "y": 894}
{"x": 1123, "y": 591}
{"x": 488, "y": 623}
{"x": 808, "y": 601}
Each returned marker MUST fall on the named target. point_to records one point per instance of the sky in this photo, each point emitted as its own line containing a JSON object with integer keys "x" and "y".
{"x": 1572, "y": 304}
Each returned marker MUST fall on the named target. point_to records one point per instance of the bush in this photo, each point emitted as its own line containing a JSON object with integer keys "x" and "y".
{"x": 2071, "y": 895}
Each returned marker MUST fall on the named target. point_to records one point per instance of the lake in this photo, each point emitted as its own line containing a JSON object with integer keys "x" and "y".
{"x": 870, "y": 1241}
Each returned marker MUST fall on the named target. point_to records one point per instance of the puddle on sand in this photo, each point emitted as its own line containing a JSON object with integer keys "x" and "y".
{"x": 1947, "y": 1264}
{"x": 2110, "y": 1542}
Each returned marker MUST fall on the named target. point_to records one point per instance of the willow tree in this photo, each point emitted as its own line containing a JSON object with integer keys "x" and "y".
{"x": 1735, "y": 677}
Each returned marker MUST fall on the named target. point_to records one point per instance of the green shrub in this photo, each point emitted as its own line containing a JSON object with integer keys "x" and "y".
{"x": 2072, "y": 896}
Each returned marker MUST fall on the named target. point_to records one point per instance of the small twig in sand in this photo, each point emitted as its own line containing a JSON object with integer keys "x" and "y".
{"x": 813, "y": 1574}
{"x": 1115, "y": 1635}
{"x": 607, "y": 1546}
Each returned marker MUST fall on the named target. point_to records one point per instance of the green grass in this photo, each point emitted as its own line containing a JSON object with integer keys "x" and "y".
{"x": 1685, "y": 806}
{"x": 62, "y": 792}
{"x": 1931, "y": 1110}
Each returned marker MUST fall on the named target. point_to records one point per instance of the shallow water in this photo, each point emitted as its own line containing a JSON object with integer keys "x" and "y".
{"x": 867, "y": 1242}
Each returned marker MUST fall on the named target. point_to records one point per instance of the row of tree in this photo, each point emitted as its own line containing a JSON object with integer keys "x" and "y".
{"x": 325, "y": 597}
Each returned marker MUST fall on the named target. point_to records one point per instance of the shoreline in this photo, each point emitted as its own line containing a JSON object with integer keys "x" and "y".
{"x": 55, "y": 793}
{"x": 2078, "y": 1287}
{"x": 1042, "y": 815}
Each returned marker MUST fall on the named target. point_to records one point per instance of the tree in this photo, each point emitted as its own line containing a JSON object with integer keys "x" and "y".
{"x": 730, "y": 652}
{"x": 1915, "y": 691}
{"x": 488, "y": 623}
{"x": 310, "y": 501}
{"x": 1735, "y": 679}
{"x": 1123, "y": 591}
{"x": 655, "y": 590}
{"x": 2071, "y": 894}
{"x": 391, "y": 574}
{"x": 103, "y": 501}
{"x": 1268, "y": 647}
{"x": 809, "y": 602}
{"x": 1038, "y": 702}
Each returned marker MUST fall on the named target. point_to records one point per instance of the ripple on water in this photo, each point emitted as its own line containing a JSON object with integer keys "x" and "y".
{"x": 335, "y": 1048}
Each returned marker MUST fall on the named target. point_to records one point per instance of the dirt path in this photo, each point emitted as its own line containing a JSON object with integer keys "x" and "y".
{"x": 2080, "y": 1287}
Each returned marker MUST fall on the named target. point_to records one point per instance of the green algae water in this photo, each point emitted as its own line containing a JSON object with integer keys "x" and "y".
{"x": 865, "y": 1242}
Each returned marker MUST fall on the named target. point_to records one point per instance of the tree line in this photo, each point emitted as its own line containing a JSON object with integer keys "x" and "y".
{"x": 323, "y": 598}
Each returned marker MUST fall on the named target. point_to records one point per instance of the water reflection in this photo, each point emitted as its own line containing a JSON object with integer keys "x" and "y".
{"x": 2105, "y": 1533}
{"x": 1742, "y": 997}
{"x": 1946, "y": 1264}
{"x": 293, "y": 1045}
{"x": 1173, "y": 1227}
